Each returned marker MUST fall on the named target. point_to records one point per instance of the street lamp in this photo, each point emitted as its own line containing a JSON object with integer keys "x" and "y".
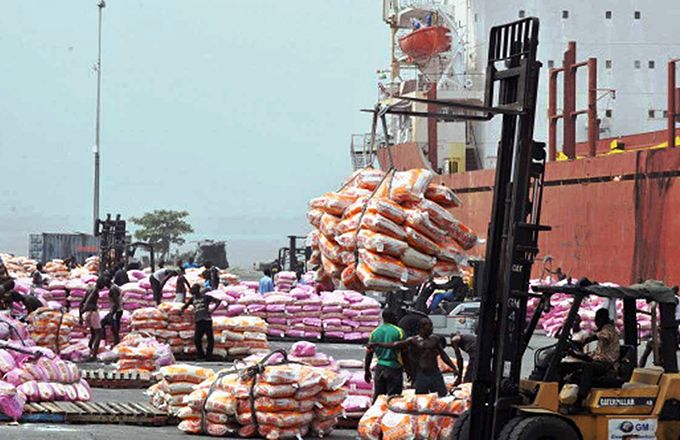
{"x": 98, "y": 67}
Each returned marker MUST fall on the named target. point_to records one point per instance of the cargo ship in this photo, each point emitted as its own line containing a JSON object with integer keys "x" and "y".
{"x": 607, "y": 109}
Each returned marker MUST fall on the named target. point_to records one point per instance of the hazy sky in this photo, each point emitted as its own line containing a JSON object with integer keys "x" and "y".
{"x": 236, "y": 111}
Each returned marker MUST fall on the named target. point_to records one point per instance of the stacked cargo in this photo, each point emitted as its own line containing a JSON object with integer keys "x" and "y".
{"x": 51, "y": 328}
{"x": 142, "y": 354}
{"x": 178, "y": 381}
{"x": 239, "y": 336}
{"x": 285, "y": 401}
{"x": 385, "y": 231}
{"x": 180, "y": 326}
{"x": 404, "y": 422}
{"x": 283, "y": 281}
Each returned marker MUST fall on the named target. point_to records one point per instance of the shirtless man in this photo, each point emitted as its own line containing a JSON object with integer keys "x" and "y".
{"x": 426, "y": 348}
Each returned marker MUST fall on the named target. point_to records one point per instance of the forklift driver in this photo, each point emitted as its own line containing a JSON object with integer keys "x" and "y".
{"x": 603, "y": 359}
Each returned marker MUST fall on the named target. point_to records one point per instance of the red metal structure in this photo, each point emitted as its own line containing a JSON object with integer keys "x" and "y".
{"x": 425, "y": 42}
{"x": 673, "y": 101}
{"x": 569, "y": 112}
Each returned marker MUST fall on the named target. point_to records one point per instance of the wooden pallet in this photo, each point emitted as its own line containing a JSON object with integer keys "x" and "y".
{"x": 129, "y": 413}
{"x": 115, "y": 379}
{"x": 191, "y": 357}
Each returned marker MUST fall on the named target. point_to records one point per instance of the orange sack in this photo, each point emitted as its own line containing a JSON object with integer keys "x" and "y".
{"x": 409, "y": 186}
{"x": 388, "y": 209}
{"x": 384, "y": 265}
{"x": 443, "y": 195}
{"x": 373, "y": 281}
{"x": 421, "y": 243}
{"x": 383, "y": 225}
{"x": 381, "y": 243}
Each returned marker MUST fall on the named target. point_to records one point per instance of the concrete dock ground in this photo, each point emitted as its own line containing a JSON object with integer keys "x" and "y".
{"x": 39, "y": 431}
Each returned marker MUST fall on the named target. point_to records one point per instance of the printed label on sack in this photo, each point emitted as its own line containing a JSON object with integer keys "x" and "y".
{"x": 640, "y": 429}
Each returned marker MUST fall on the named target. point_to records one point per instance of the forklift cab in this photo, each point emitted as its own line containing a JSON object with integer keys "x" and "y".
{"x": 625, "y": 397}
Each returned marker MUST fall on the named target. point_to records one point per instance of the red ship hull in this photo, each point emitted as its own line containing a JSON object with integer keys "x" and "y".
{"x": 613, "y": 218}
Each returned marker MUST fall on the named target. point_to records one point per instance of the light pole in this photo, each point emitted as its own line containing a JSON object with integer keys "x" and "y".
{"x": 95, "y": 212}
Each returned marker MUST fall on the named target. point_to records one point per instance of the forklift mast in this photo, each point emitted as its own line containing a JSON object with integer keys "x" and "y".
{"x": 512, "y": 241}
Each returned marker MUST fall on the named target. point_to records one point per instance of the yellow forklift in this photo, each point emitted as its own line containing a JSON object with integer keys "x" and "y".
{"x": 624, "y": 403}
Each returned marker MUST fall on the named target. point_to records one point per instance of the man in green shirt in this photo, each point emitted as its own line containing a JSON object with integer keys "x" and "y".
{"x": 389, "y": 377}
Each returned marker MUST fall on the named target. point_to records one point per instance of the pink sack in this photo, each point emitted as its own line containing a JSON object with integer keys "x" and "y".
{"x": 7, "y": 362}
{"x": 17, "y": 376}
{"x": 303, "y": 349}
{"x": 30, "y": 390}
{"x": 83, "y": 391}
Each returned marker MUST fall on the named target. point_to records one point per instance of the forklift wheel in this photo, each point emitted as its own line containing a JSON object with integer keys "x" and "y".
{"x": 538, "y": 427}
{"x": 461, "y": 428}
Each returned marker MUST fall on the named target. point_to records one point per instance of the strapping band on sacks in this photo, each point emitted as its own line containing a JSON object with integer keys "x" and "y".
{"x": 13, "y": 329}
{"x": 251, "y": 373}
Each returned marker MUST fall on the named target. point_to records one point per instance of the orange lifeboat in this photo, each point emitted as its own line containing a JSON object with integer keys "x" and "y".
{"x": 425, "y": 42}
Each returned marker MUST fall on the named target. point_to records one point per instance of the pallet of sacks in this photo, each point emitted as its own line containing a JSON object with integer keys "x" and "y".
{"x": 384, "y": 231}
{"x": 288, "y": 401}
{"x": 178, "y": 381}
{"x": 379, "y": 422}
{"x": 39, "y": 375}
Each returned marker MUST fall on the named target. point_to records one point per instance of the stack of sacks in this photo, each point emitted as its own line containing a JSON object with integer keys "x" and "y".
{"x": 229, "y": 279}
{"x": 45, "y": 379}
{"x": 51, "y": 380}
{"x": 92, "y": 264}
{"x": 178, "y": 382}
{"x": 152, "y": 321}
{"x": 78, "y": 351}
{"x": 45, "y": 324}
{"x": 138, "y": 353}
{"x": 290, "y": 400}
{"x": 11, "y": 402}
{"x": 335, "y": 322}
{"x": 225, "y": 301}
{"x": 136, "y": 296}
{"x": 304, "y": 314}
{"x": 239, "y": 336}
{"x": 23, "y": 287}
{"x": 251, "y": 285}
{"x": 283, "y": 281}
{"x": 12, "y": 329}
{"x": 56, "y": 269}
{"x": 305, "y": 353}
{"x": 277, "y": 305}
{"x": 560, "y": 304}
{"x": 359, "y": 394}
{"x": 365, "y": 312}
{"x": 381, "y": 423}
{"x": 180, "y": 328}
{"x": 18, "y": 267}
{"x": 56, "y": 291}
{"x": 401, "y": 229}
{"x": 254, "y": 304}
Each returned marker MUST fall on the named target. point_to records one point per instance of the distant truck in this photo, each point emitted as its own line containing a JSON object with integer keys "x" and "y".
{"x": 213, "y": 251}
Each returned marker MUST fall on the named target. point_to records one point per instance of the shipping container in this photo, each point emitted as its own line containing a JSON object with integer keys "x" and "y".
{"x": 48, "y": 246}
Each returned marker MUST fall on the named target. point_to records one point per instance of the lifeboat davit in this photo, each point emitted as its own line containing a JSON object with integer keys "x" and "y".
{"x": 425, "y": 42}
